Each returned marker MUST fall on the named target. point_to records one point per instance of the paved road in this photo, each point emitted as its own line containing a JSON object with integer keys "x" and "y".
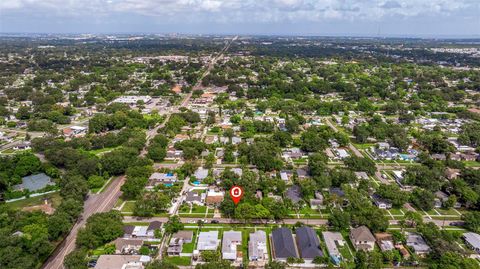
{"x": 438, "y": 222}
{"x": 352, "y": 147}
{"x": 224, "y": 220}
{"x": 152, "y": 132}
{"x": 95, "y": 203}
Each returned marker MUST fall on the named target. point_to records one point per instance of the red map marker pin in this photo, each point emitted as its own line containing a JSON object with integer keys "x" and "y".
{"x": 236, "y": 192}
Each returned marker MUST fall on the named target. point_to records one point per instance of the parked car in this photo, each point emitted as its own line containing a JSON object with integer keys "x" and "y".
{"x": 214, "y": 221}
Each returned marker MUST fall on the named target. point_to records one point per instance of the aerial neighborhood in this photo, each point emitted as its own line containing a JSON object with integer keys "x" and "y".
{"x": 121, "y": 151}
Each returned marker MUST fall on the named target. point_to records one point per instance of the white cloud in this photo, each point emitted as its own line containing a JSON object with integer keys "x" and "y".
{"x": 241, "y": 10}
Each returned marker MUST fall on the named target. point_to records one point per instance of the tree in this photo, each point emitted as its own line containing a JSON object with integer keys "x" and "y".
{"x": 245, "y": 211}
{"x": 209, "y": 161}
{"x": 361, "y": 133}
{"x": 173, "y": 225}
{"x": 58, "y": 224}
{"x": 393, "y": 193}
{"x": 361, "y": 164}
{"x": 292, "y": 125}
{"x": 157, "y": 152}
{"x": 95, "y": 181}
{"x": 73, "y": 186}
{"x": 423, "y": 199}
{"x": 282, "y": 138}
{"x": 76, "y": 259}
{"x": 413, "y": 218}
{"x": 339, "y": 219}
{"x": 101, "y": 228}
{"x": 472, "y": 221}
{"x": 210, "y": 256}
{"x": 276, "y": 265}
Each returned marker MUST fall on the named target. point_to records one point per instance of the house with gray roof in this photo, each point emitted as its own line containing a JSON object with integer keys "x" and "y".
{"x": 34, "y": 182}
{"x": 231, "y": 239}
{"x": 208, "y": 241}
{"x": 308, "y": 243}
{"x": 418, "y": 244}
{"x": 294, "y": 193}
{"x": 283, "y": 244}
{"x": 201, "y": 173}
{"x": 362, "y": 238}
{"x": 333, "y": 240}
{"x": 193, "y": 197}
{"x": 257, "y": 246}
{"x": 473, "y": 241}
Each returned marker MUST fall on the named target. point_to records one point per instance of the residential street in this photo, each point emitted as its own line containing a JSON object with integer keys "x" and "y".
{"x": 95, "y": 203}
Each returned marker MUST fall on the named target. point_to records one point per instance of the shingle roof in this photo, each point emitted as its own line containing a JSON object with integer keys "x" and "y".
{"x": 128, "y": 229}
{"x": 34, "y": 182}
{"x": 294, "y": 193}
{"x": 154, "y": 225}
{"x": 308, "y": 243}
{"x": 283, "y": 243}
{"x": 362, "y": 233}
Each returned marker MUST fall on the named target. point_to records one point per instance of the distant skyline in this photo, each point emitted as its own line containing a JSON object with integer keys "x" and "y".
{"x": 403, "y": 18}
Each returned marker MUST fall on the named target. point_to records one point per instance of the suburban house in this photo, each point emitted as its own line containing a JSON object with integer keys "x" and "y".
{"x": 440, "y": 198}
{"x": 127, "y": 245}
{"x": 154, "y": 225}
{"x": 177, "y": 240}
{"x": 385, "y": 241}
{"x": 308, "y": 243}
{"x": 161, "y": 178}
{"x": 175, "y": 247}
{"x": 185, "y": 236}
{"x": 34, "y": 183}
{"x": 201, "y": 173}
{"x": 283, "y": 244}
{"x": 231, "y": 240}
{"x": 381, "y": 202}
{"x": 362, "y": 238}
{"x": 473, "y": 241}
{"x": 208, "y": 241}
{"x": 122, "y": 261}
{"x": 195, "y": 198}
{"x": 257, "y": 246}
{"x": 418, "y": 244}
{"x": 294, "y": 193}
{"x": 361, "y": 175}
{"x": 333, "y": 240}
{"x": 214, "y": 197}
{"x": 341, "y": 153}
{"x": 130, "y": 231}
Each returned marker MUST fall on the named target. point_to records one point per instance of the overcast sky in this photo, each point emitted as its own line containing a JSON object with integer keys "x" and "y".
{"x": 428, "y": 18}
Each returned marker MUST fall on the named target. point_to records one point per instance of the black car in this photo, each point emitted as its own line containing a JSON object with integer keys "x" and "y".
{"x": 215, "y": 221}
{"x": 457, "y": 223}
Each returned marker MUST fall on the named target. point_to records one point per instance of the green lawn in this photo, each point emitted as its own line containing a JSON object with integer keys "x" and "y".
{"x": 103, "y": 150}
{"x": 129, "y": 206}
{"x": 471, "y": 163}
{"x": 363, "y": 146}
{"x": 180, "y": 261}
{"x": 54, "y": 198}
{"x": 395, "y": 211}
{"x": 199, "y": 209}
{"x": 189, "y": 247}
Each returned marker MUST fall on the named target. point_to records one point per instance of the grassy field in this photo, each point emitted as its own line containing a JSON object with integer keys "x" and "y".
{"x": 129, "y": 206}
{"x": 180, "y": 261}
{"x": 54, "y": 198}
{"x": 101, "y": 151}
{"x": 189, "y": 247}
